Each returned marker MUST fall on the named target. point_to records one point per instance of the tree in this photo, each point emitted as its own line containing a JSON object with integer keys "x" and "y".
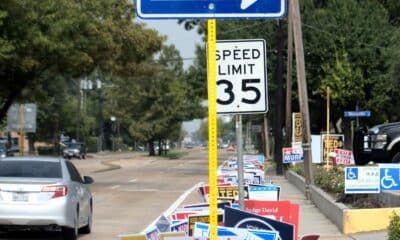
{"x": 67, "y": 37}
{"x": 155, "y": 101}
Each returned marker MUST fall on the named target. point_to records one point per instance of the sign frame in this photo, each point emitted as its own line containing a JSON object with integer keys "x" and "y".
{"x": 236, "y": 91}
{"x": 210, "y": 9}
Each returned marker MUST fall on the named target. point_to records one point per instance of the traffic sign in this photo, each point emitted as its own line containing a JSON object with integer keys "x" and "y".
{"x": 361, "y": 180}
{"x": 204, "y": 9}
{"x": 241, "y": 76}
{"x": 389, "y": 177}
{"x": 357, "y": 113}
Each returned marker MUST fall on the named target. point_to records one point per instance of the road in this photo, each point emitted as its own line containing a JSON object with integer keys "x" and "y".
{"x": 131, "y": 190}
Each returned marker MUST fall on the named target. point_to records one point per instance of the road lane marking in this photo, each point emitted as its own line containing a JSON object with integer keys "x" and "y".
{"x": 133, "y": 180}
{"x": 175, "y": 205}
{"x": 115, "y": 186}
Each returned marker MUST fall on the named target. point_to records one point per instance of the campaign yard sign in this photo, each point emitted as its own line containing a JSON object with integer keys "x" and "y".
{"x": 343, "y": 157}
{"x": 203, "y": 230}
{"x": 283, "y": 211}
{"x": 292, "y": 155}
{"x": 241, "y": 219}
{"x": 202, "y": 218}
{"x": 263, "y": 192}
{"x": 181, "y": 226}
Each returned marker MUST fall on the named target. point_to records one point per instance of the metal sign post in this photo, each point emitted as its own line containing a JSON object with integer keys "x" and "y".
{"x": 251, "y": 87}
{"x": 239, "y": 147}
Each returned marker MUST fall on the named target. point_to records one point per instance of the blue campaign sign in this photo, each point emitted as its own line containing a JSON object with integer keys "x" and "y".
{"x": 357, "y": 114}
{"x": 237, "y": 218}
{"x": 204, "y": 9}
{"x": 389, "y": 177}
{"x": 202, "y": 230}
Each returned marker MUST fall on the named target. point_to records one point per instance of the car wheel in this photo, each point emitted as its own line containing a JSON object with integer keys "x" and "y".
{"x": 88, "y": 228}
{"x": 396, "y": 158}
{"x": 83, "y": 157}
{"x": 71, "y": 233}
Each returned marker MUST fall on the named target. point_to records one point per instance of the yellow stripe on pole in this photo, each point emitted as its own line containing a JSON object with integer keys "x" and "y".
{"x": 212, "y": 125}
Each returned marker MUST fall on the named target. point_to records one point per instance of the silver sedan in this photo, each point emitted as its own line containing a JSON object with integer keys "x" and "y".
{"x": 44, "y": 193}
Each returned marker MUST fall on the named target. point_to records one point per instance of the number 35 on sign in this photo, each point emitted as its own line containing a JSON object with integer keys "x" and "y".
{"x": 241, "y": 76}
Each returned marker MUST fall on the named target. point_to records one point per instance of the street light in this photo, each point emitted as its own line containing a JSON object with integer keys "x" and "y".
{"x": 100, "y": 116}
{"x": 113, "y": 121}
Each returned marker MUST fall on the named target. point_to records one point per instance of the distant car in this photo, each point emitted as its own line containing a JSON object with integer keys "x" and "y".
{"x": 3, "y": 153}
{"x": 231, "y": 148}
{"x": 75, "y": 150}
{"x": 44, "y": 193}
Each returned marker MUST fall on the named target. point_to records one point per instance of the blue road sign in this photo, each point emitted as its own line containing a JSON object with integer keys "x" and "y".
{"x": 389, "y": 177}
{"x": 204, "y": 9}
{"x": 357, "y": 114}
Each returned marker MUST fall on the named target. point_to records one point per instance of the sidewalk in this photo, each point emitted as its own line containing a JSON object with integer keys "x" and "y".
{"x": 311, "y": 220}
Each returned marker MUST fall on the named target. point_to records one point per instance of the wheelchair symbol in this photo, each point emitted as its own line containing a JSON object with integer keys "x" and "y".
{"x": 350, "y": 174}
{"x": 387, "y": 181}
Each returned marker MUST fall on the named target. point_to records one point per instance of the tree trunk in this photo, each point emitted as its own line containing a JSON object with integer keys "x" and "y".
{"x": 151, "y": 147}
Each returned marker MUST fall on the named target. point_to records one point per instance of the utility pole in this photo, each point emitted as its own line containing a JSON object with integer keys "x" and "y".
{"x": 78, "y": 111}
{"x": 278, "y": 119}
{"x": 288, "y": 119}
{"x": 266, "y": 137}
{"x": 303, "y": 97}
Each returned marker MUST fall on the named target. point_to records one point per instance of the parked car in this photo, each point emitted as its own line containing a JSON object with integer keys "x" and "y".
{"x": 44, "y": 193}
{"x": 75, "y": 150}
{"x": 379, "y": 144}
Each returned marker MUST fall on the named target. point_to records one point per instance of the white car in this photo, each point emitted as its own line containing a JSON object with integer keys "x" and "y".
{"x": 44, "y": 193}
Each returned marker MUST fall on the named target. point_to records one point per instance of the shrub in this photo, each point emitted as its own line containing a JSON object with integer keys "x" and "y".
{"x": 331, "y": 180}
{"x": 394, "y": 227}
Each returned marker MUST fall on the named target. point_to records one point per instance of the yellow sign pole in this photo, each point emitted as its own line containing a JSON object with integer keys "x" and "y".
{"x": 212, "y": 125}
{"x": 327, "y": 141}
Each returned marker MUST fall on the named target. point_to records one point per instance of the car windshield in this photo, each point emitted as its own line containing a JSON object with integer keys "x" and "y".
{"x": 34, "y": 169}
{"x": 74, "y": 146}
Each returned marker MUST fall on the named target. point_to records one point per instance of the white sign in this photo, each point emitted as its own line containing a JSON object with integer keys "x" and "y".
{"x": 344, "y": 157}
{"x": 241, "y": 76}
{"x": 362, "y": 180}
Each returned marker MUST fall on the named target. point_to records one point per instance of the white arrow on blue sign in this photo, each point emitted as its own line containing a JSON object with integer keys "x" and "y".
{"x": 204, "y": 9}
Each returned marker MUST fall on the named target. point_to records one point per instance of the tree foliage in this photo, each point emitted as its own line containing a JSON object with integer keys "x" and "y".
{"x": 69, "y": 38}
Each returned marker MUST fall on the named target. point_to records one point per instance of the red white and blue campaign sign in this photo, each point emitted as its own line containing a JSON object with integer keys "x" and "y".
{"x": 343, "y": 157}
{"x": 241, "y": 219}
{"x": 191, "y": 9}
{"x": 292, "y": 155}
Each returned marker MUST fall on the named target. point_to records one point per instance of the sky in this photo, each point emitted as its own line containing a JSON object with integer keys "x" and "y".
{"x": 185, "y": 41}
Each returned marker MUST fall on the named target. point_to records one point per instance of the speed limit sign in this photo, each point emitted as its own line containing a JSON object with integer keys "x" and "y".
{"x": 241, "y": 76}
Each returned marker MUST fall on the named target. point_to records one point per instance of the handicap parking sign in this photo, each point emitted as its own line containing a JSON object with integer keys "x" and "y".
{"x": 351, "y": 173}
{"x": 389, "y": 176}
{"x": 363, "y": 179}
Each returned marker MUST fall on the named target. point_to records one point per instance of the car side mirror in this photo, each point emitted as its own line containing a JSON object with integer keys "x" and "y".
{"x": 88, "y": 180}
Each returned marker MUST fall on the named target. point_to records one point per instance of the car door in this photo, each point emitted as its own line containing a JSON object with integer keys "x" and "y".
{"x": 82, "y": 192}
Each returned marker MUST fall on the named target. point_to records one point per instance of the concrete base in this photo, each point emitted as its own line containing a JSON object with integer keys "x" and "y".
{"x": 348, "y": 220}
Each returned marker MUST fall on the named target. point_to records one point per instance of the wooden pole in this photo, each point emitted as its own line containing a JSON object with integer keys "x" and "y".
{"x": 303, "y": 97}
{"x": 288, "y": 119}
